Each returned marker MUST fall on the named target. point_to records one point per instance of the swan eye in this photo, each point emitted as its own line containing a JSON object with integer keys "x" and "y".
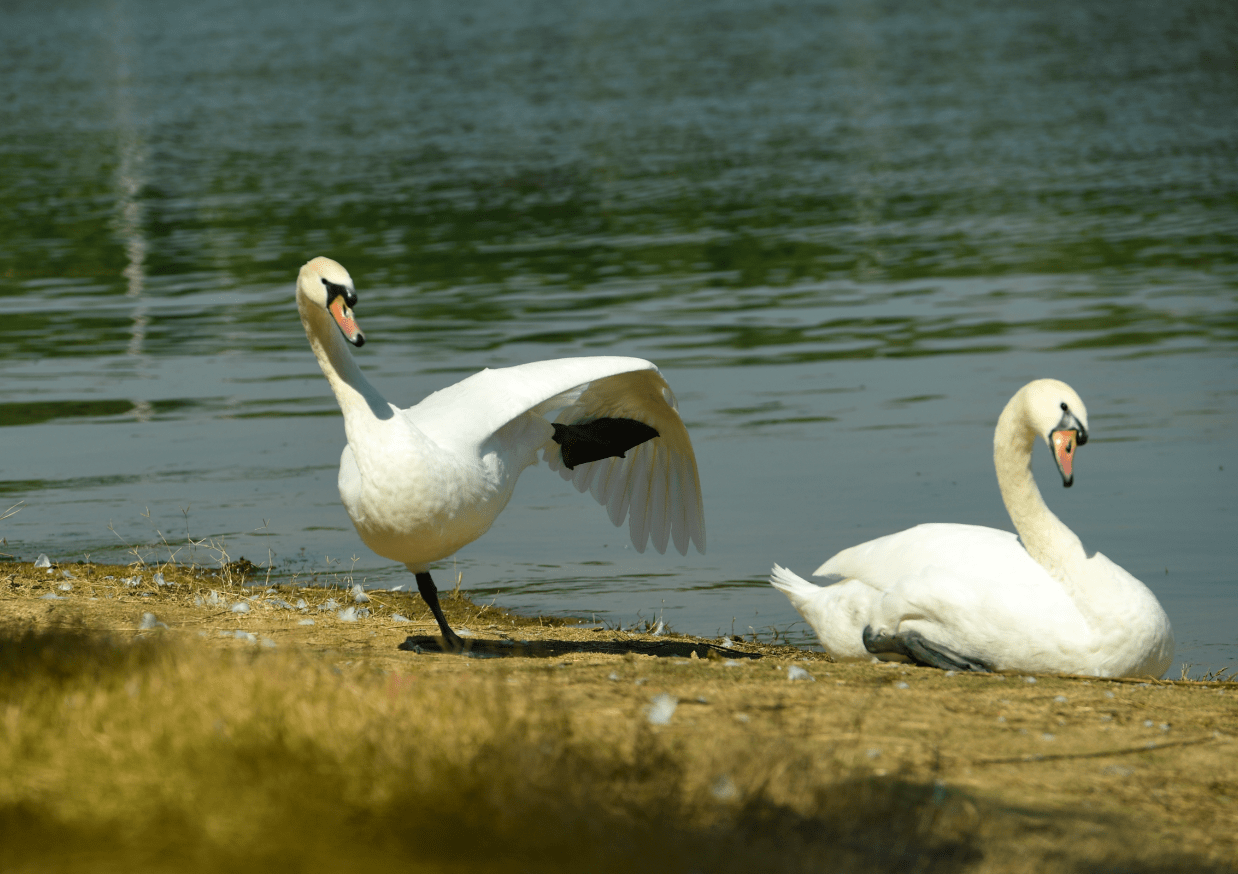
{"x": 1064, "y": 407}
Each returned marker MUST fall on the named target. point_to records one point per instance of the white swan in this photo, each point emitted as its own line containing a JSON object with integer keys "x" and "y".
{"x": 966, "y": 597}
{"x": 421, "y": 483}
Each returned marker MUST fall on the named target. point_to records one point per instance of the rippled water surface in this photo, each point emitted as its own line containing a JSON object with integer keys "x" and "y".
{"x": 847, "y": 232}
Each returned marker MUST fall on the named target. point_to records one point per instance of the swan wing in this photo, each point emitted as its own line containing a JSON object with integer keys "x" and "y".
{"x": 886, "y": 561}
{"x": 468, "y": 414}
{"x": 655, "y": 484}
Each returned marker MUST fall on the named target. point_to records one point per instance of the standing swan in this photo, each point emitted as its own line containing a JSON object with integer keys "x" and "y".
{"x": 965, "y": 597}
{"x": 421, "y": 483}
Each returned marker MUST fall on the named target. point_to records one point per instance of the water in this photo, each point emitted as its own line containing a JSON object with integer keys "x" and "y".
{"x": 847, "y": 233}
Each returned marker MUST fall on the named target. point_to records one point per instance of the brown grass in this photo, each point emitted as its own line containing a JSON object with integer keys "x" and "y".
{"x": 181, "y": 749}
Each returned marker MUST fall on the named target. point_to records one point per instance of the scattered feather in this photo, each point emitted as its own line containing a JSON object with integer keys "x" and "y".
{"x": 240, "y": 607}
{"x": 901, "y": 686}
{"x": 301, "y": 605}
{"x": 65, "y": 587}
{"x": 158, "y": 579}
{"x": 795, "y": 672}
{"x": 331, "y": 604}
{"x": 150, "y": 622}
{"x": 1060, "y": 699}
{"x": 306, "y": 622}
{"x": 52, "y": 596}
{"x": 724, "y": 789}
{"x": 42, "y": 561}
{"x": 1029, "y": 679}
{"x": 348, "y": 614}
{"x": 396, "y": 617}
{"x": 67, "y": 575}
{"x": 358, "y": 595}
{"x": 268, "y": 643}
{"x": 661, "y": 709}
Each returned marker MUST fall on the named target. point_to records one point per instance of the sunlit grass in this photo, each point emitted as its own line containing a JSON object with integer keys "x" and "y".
{"x": 157, "y": 755}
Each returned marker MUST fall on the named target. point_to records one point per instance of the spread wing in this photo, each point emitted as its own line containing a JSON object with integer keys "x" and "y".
{"x": 656, "y": 484}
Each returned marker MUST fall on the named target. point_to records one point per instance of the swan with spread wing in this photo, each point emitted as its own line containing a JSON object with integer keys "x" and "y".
{"x": 420, "y": 483}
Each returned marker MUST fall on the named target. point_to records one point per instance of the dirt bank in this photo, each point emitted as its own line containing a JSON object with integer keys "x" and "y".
{"x": 571, "y": 745}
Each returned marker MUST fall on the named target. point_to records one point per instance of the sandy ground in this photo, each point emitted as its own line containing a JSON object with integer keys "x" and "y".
{"x": 1040, "y": 773}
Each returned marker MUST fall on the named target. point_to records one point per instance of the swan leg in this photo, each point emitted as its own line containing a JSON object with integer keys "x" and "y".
{"x": 429, "y": 594}
{"x": 920, "y": 650}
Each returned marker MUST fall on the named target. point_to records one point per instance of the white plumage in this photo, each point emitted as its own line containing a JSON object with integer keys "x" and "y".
{"x": 420, "y": 483}
{"x": 970, "y": 597}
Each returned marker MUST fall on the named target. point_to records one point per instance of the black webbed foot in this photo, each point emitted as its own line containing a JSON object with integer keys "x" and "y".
{"x": 920, "y": 650}
{"x": 598, "y": 439}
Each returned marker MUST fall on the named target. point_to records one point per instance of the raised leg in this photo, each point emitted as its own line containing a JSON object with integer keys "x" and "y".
{"x": 451, "y": 640}
{"x": 920, "y": 650}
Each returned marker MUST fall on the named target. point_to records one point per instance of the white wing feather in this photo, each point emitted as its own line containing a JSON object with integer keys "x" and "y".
{"x": 656, "y": 485}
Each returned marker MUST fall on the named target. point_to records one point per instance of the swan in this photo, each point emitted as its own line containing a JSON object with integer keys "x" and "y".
{"x": 422, "y": 482}
{"x": 966, "y": 597}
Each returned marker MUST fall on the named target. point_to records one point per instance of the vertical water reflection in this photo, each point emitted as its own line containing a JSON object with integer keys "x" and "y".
{"x": 130, "y": 179}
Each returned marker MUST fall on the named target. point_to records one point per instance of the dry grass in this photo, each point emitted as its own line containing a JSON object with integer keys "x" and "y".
{"x": 181, "y": 749}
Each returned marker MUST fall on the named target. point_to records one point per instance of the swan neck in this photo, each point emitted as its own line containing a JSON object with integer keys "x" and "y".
{"x": 1046, "y": 538}
{"x": 352, "y": 390}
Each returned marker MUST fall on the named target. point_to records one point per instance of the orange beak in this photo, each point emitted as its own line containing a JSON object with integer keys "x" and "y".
{"x": 1064, "y": 443}
{"x": 342, "y": 314}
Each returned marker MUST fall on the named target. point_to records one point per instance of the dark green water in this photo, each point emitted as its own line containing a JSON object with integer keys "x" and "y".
{"x": 847, "y": 232}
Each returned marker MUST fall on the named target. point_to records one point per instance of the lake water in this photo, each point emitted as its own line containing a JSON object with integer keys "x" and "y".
{"x": 847, "y": 232}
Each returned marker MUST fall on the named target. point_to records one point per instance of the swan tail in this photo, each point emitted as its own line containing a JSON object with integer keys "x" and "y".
{"x": 797, "y": 589}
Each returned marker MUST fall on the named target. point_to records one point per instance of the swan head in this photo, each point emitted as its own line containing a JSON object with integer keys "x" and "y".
{"x": 1058, "y": 415}
{"x": 325, "y": 284}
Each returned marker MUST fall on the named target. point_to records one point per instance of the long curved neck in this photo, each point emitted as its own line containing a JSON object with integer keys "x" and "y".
{"x": 1046, "y": 538}
{"x": 356, "y": 397}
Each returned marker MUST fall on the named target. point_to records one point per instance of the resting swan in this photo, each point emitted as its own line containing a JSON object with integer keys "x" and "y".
{"x": 421, "y": 483}
{"x": 965, "y": 597}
